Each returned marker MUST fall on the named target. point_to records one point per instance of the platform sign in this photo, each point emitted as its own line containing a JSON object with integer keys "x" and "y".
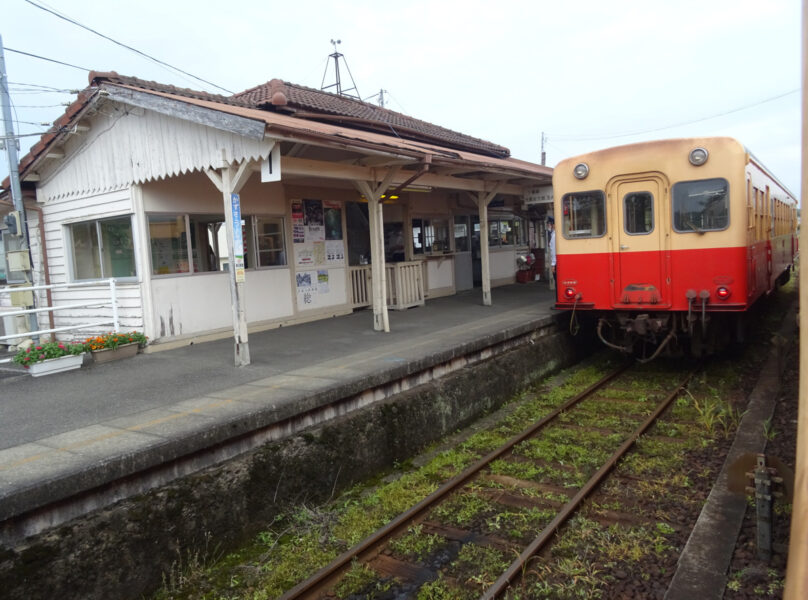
{"x": 238, "y": 238}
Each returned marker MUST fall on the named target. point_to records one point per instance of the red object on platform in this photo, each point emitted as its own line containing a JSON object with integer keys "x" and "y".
{"x": 525, "y": 276}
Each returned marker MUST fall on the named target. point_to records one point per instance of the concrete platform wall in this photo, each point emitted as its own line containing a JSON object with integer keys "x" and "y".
{"x": 122, "y": 551}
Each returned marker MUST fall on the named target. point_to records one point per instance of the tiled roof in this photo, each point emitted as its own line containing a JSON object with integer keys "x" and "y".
{"x": 303, "y": 102}
{"x": 306, "y": 102}
{"x": 98, "y": 77}
{"x": 298, "y": 102}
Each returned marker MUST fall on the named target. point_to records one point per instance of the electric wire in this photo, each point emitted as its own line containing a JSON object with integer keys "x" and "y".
{"x": 59, "y": 62}
{"x": 114, "y": 41}
{"x": 41, "y": 88}
{"x": 583, "y": 138}
{"x": 61, "y": 105}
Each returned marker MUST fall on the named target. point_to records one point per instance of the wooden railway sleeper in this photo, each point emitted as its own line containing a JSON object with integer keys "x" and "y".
{"x": 370, "y": 546}
{"x": 501, "y": 584}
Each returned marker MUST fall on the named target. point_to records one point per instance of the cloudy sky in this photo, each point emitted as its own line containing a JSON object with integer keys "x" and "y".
{"x": 589, "y": 74}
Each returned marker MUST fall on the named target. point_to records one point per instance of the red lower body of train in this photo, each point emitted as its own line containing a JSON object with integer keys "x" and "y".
{"x": 680, "y": 301}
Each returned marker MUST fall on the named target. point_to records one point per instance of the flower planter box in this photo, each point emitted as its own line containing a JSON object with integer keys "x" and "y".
{"x": 56, "y": 365}
{"x": 109, "y": 354}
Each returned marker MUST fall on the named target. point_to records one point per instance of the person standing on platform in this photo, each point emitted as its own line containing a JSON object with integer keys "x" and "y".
{"x": 551, "y": 250}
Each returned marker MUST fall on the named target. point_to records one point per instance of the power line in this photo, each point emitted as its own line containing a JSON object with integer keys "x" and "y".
{"x": 41, "y": 87}
{"x": 576, "y": 138}
{"x": 35, "y": 134}
{"x": 61, "y": 105}
{"x": 20, "y": 91}
{"x": 59, "y": 62}
{"x": 38, "y": 124}
{"x": 114, "y": 41}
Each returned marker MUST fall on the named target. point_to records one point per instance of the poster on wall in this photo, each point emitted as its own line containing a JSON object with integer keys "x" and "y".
{"x": 319, "y": 253}
{"x": 322, "y": 281}
{"x": 313, "y": 220}
{"x": 315, "y": 233}
{"x": 332, "y": 217}
{"x": 307, "y": 288}
{"x": 313, "y": 213}
{"x": 334, "y": 252}
{"x": 304, "y": 255}
{"x": 298, "y": 226}
{"x": 318, "y": 242}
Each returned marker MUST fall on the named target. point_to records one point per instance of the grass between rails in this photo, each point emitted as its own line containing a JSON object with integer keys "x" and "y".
{"x": 591, "y": 561}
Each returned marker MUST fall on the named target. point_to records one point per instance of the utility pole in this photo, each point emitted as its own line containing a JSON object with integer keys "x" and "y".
{"x": 543, "y": 153}
{"x": 10, "y": 142}
{"x": 16, "y": 225}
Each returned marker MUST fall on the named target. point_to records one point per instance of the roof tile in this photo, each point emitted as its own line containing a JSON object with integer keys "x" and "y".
{"x": 331, "y": 107}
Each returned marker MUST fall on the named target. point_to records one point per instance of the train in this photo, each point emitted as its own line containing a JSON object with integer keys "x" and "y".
{"x": 668, "y": 244}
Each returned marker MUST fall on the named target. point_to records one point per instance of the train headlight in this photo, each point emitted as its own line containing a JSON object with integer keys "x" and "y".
{"x": 569, "y": 293}
{"x": 723, "y": 293}
{"x": 698, "y": 156}
{"x": 581, "y": 170}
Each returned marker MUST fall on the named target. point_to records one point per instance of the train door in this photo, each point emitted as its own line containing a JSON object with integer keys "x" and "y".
{"x": 640, "y": 275}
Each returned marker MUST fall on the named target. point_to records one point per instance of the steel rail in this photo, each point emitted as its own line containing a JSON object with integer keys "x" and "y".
{"x": 326, "y": 576}
{"x": 501, "y": 584}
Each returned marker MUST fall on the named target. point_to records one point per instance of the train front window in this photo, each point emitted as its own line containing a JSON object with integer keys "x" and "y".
{"x": 638, "y": 215}
{"x": 584, "y": 214}
{"x": 701, "y": 205}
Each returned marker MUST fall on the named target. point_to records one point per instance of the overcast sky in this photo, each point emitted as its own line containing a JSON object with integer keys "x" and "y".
{"x": 589, "y": 74}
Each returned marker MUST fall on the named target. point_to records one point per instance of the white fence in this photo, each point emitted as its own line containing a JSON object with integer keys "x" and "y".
{"x": 405, "y": 285}
{"x": 12, "y": 316}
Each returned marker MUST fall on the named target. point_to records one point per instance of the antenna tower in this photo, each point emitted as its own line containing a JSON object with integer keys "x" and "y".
{"x": 338, "y": 81}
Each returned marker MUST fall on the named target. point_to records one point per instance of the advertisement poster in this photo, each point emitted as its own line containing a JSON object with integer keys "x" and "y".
{"x": 315, "y": 233}
{"x": 307, "y": 285}
{"x": 304, "y": 255}
{"x": 322, "y": 281}
{"x": 298, "y": 227}
{"x": 312, "y": 213}
{"x": 334, "y": 252}
{"x": 332, "y": 215}
{"x": 319, "y": 253}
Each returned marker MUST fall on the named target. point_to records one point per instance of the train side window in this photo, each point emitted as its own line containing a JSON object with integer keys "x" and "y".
{"x": 700, "y": 206}
{"x": 638, "y": 213}
{"x": 584, "y": 214}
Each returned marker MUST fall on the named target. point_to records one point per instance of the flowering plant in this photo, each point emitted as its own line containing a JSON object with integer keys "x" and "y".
{"x": 113, "y": 340}
{"x": 34, "y": 354}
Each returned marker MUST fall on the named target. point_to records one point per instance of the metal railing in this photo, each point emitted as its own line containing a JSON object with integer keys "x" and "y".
{"x": 110, "y": 301}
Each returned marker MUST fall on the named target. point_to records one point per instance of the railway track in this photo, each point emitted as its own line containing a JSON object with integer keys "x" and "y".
{"x": 472, "y": 515}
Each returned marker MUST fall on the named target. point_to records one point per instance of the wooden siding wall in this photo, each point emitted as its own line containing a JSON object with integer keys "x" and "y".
{"x": 127, "y": 145}
{"x": 57, "y": 215}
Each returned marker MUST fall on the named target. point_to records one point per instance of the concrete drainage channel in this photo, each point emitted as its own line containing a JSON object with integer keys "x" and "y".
{"x": 88, "y": 547}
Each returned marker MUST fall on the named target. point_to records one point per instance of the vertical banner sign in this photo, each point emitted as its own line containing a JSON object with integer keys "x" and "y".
{"x": 238, "y": 240}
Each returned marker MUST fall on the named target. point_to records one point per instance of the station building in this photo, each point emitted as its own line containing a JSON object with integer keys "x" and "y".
{"x": 342, "y": 205}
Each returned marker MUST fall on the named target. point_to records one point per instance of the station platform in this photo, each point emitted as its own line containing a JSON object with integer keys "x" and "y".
{"x": 64, "y": 434}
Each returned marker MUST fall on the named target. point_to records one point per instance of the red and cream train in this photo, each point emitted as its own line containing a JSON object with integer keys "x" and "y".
{"x": 670, "y": 242}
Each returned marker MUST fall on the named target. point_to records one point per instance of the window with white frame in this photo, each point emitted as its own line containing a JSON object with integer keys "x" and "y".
{"x": 173, "y": 238}
{"x": 269, "y": 241}
{"x": 102, "y": 249}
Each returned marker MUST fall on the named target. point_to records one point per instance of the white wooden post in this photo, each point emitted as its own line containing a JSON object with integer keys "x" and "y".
{"x": 482, "y": 199}
{"x": 230, "y": 183}
{"x": 378, "y": 283}
{"x": 381, "y": 321}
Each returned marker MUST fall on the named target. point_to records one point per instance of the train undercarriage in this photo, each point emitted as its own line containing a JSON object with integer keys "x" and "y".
{"x": 649, "y": 335}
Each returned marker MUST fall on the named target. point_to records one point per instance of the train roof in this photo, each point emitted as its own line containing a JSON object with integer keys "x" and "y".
{"x": 676, "y": 142}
